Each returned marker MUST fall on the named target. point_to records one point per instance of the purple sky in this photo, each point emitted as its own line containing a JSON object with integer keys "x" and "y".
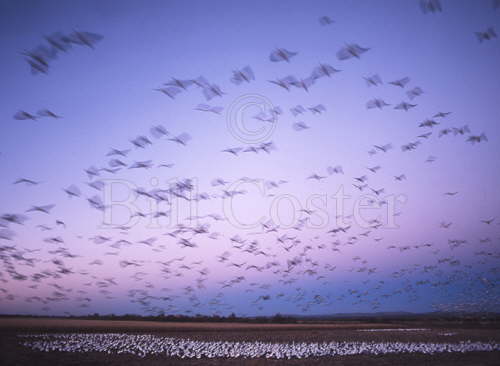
{"x": 392, "y": 257}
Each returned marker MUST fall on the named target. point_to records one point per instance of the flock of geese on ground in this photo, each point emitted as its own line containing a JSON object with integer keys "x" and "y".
{"x": 152, "y": 345}
{"x": 272, "y": 263}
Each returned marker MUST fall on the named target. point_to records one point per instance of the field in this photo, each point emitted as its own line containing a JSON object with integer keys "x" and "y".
{"x": 13, "y": 353}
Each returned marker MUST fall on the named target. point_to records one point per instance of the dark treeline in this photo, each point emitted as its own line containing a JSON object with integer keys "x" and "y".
{"x": 279, "y": 318}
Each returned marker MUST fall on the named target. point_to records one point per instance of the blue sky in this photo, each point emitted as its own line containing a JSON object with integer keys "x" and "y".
{"x": 106, "y": 98}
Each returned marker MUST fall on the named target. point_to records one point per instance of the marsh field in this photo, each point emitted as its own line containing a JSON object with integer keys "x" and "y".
{"x": 14, "y": 351}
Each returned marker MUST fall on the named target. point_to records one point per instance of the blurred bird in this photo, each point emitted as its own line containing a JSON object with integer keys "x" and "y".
{"x": 281, "y": 54}
{"x": 47, "y": 113}
{"x": 207, "y": 108}
{"x": 45, "y": 209}
{"x": 85, "y": 38}
{"x": 244, "y": 75}
{"x": 430, "y": 6}
{"x": 401, "y": 82}
{"x": 376, "y": 103}
{"x": 350, "y": 51}
{"x": 487, "y": 35}
{"x": 22, "y": 115}
{"x": 325, "y": 20}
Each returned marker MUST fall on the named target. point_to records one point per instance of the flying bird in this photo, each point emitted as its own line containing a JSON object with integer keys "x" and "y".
{"x": 118, "y": 152}
{"x": 22, "y": 115}
{"x": 73, "y": 191}
{"x": 59, "y": 41}
{"x": 27, "y": 182}
{"x": 400, "y": 82}
{"x": 207, "y": 108}
{"x": 85, "y": 38}
{"x": 297, "y": 110}
{"x": 487, "y": 35}
{"x": 244, "y": 75}
{"x": 376, "y": 103}
{"x": 317, "y": 109}
{"x": 147, "y": 164}
{"x": 405, "y": 106}
{"x": 45, "y": 209}
{"x": 159, "y": 131}
{"x": 180, "y": 84}
{"x": 170, "y": 92}
{"x": 47, "y": 113}
{"x": 316, "y": 177}
{"x": 425, "y": 135}
{"x": 282, "y": 54}
{"x": 181, "y": 139}
{"x": 325, "y": 20}
{"x": 477, "y": 138}
{"x": 428, "y": 123}
{"x": 324, "y": 70}
{"x": 430, "y": 6}
{"x": 383, "y": 148}
{"x": 234, "y": 151}
{"x": 415, "y": 92}
{"x": 441, "y": 114}
{"x": 300, "y": 126}
{"x": 461, "y": 130}
{"x": 373, "y": 80}
{"x": 283, "y": 83}
{"x": 335, "y": 170}
{"x": 374, "y": 169}
{"x": 351, "y": 50}
{"x": 300, "y": 83}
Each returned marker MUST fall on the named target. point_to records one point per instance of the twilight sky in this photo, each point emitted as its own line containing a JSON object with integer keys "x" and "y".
{"x": 269, "y": 225}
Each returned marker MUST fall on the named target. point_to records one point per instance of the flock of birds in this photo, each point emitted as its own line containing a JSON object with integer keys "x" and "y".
{"x": 151, "y": 345}
{"x": 269, "y": 263}
{"x": 56, "y": 44}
